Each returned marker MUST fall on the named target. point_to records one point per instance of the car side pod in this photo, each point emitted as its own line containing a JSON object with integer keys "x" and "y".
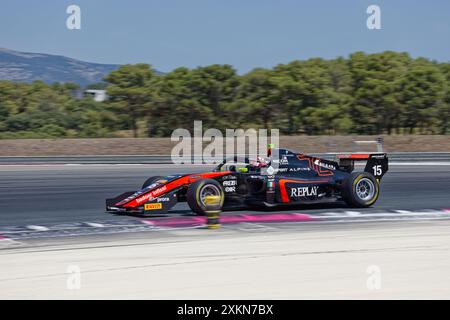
{"x": 213, "y": 211}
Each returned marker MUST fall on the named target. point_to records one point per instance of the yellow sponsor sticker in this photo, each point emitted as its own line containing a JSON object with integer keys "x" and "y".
{"x": 153, "y": 206}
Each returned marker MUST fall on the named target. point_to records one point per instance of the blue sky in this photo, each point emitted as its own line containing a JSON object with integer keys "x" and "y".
{"x": 243, "y": 33}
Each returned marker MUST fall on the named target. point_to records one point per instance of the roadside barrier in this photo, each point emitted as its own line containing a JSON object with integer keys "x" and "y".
{"x": 166, "y": 159}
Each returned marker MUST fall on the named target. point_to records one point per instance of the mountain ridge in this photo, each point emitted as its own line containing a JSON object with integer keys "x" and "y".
{"x": 21, "y": 66}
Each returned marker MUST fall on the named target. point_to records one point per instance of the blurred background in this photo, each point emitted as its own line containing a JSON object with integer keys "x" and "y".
{"x": 305, "y": 68}
{"x": 91, "y": 91}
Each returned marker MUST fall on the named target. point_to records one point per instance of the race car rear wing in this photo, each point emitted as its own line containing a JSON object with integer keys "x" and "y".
{"x": 376, "y": 163}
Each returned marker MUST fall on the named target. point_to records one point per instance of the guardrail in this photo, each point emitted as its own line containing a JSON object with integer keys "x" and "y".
{"x": 165, "y": 159}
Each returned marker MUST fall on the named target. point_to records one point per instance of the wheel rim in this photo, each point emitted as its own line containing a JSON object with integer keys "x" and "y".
{"x": 365, "y": 189}
{"x": 208, "y": 191}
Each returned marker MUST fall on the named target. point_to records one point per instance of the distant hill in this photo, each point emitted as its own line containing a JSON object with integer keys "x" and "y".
{"x": 27, "y": 67}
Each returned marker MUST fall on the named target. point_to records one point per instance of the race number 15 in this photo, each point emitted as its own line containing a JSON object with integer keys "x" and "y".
{"x": 377, "y": 171}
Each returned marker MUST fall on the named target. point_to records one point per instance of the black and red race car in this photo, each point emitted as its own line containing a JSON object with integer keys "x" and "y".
{"x": 290, "y": 178}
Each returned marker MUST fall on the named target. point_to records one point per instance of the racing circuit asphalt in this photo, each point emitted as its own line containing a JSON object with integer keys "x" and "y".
{"x": 42, "y": 194}
{"x": 371, "y": 260}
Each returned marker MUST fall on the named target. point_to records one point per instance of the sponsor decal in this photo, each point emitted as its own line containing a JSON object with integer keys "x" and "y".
{"x": 324, "y": 165}
{"x": 230, "y": 177}
{"x": 151, "y": 195}
{"x": 153, "y": 206}
{"x": 153, "y": 185}
{"x": 230, "y": 185}
{"x": 147, "y": 197}
{"x": 230, "y": 189}
{"x": 294, "y": 169}
{"x": 378, "y": 156}
{"x": 159, "y": 190}
{"x": 299, "y": 169}
{"x": 165, "y": 199}
{"x": 283, "y": 160}
{"x": 270, "y": 170}
{"x": 304, "y": 191}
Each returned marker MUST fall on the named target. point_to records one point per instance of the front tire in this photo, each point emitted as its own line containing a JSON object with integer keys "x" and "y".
{"x": 198, "y": 193}
{"x": 360, "y": 190}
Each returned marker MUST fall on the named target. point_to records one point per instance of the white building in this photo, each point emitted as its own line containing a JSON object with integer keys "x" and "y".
{"x": 97, "y": 95}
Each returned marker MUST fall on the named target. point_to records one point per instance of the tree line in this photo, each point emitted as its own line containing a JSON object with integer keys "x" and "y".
{"x": 381, "y": 93}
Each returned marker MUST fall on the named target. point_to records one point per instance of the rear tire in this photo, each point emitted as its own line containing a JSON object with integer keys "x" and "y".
{"x": 197, "y": 192}
{"x": 150, "y": 181}
{"x": 360, "y": 190}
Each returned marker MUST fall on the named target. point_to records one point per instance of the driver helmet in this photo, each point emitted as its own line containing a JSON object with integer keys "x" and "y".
{"x": 259, "y": 162}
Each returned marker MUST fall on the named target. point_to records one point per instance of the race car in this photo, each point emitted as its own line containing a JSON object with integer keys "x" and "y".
{"x": 289, "y": 178}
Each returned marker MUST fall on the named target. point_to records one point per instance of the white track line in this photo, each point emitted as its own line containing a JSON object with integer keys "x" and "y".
{"x": 95, "y": 225}
{"x": 440, "y": 213}
{"x": 37, "y": 228}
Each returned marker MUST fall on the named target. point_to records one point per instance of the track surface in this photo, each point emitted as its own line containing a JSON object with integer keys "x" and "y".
{"x": 372, "y": 261}
{"x": 60, "y": 194}
{"x": 403, "y": 259}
